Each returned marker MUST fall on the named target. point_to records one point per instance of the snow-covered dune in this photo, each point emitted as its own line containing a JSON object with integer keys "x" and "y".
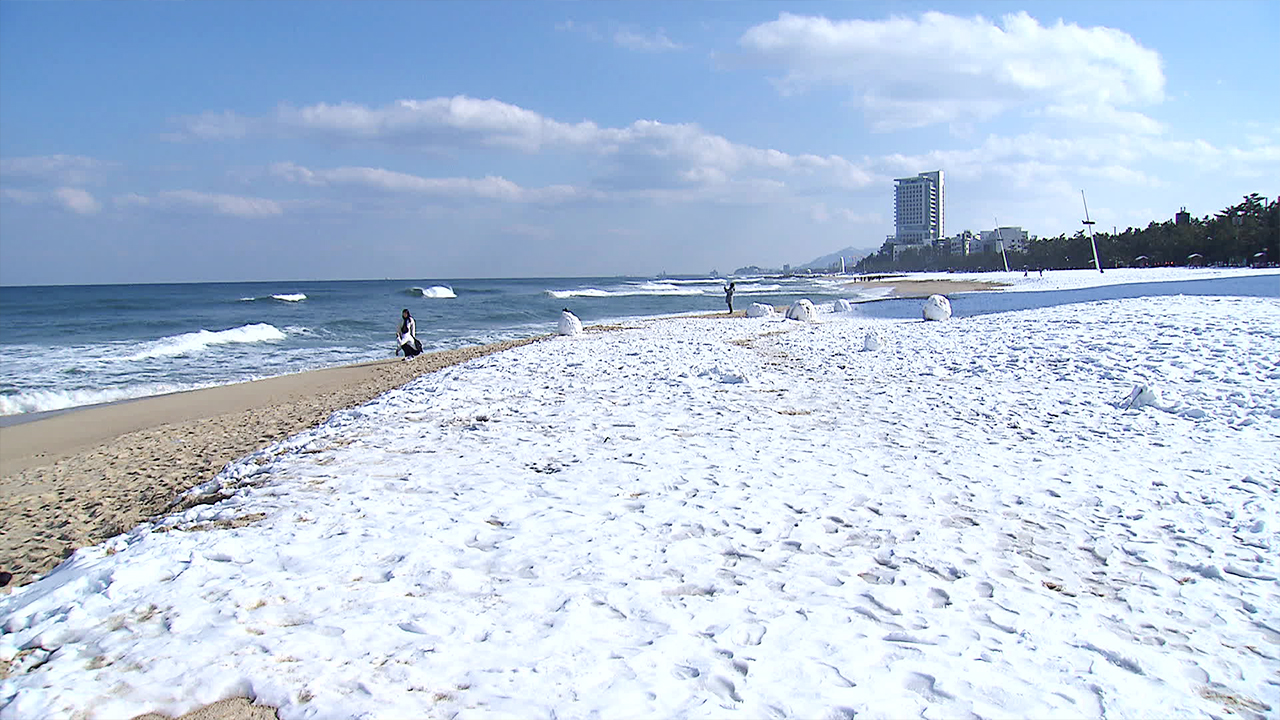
{"x": 745, "y": 517}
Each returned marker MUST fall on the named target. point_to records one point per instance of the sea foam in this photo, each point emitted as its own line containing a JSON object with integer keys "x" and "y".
{"x": 283, "y": 297}
{"x": 185, "y": 343}
{"x": 437, "y": 292}
{"x": 34, "y": 401}
{"x": 649, "y": 288}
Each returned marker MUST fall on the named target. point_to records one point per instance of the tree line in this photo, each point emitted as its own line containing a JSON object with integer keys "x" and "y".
{"x": 1247, "y": 233}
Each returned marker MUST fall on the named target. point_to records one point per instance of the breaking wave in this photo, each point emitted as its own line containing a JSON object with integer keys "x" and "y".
{"x": 435, "y": 292}
{"x": 186, "y": 343}
{"x": 649, "y": 288}
{"x": 283, "y": 297}
{"x": 34, "y": 401}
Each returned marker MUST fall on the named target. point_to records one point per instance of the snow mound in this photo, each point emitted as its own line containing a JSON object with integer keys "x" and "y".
{"x": 569, "y": 323}
{"x": 937, "y": 307}
{"x": 759, "y": 310}
{"x": 720, "y": 375}
{"x": 871, "y": 342}
{"x": 843, "y": 306}
{"x": 802, "y": 310}
{"x": 1145, "y": 396}
{"x": 1141, "y": 396}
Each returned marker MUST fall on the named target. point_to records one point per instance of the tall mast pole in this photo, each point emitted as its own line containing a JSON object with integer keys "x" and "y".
{"x": 1000, "y": 240}
{"x": 1089, "y": 226}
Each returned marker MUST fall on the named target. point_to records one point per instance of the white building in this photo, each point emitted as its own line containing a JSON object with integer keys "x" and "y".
{"x": 1015, "y": 239}
{"x": 962, "y": 244}
{"x": 920, "y": 208}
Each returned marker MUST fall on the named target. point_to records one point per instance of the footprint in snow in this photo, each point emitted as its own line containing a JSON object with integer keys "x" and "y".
{"x": 926, "y": 686}
{"x": 724, "y": 688}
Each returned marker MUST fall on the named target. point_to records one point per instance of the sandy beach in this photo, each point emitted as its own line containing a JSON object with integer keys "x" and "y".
{"x": 677, "y": 515}
{"x": 905, "y": 288}
{"x": 74, "y": 479}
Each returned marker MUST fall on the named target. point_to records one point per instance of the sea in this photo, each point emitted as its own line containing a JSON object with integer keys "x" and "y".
{"x": 70, "y": 346}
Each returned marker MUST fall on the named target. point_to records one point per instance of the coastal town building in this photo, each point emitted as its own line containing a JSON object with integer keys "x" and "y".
{"x": 899, "y": 248}
{"x": 962, "y": 243}
{"x": 919, "y": 208}
{"x": 1015, "y": 239}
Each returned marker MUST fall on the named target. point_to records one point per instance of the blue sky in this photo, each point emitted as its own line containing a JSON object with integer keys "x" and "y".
{"x": 173, "y": 142}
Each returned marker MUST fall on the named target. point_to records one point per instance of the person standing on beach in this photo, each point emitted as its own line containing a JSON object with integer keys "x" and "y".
{"x": 728, "y": 296}
{"x": 408, "y": 336}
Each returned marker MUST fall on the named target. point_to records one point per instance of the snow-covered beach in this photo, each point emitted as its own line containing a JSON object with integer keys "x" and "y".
{"x": 727, "y": 518}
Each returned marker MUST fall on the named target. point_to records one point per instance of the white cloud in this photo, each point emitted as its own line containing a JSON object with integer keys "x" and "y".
{"x": 654, "y": 42}
{"x": 490, "y": 187}
{"x": 624, "y": 37}
{"x": 587, "y": 29}
{"x": 1037, "y": 158}
{"x": 77, "y": 201}
{"x": 681, "y": 152}
{"x": 216, "y": 203}
{"x": 71, "y": 199}
{"x": 23, "y": 197}
{"x": 60, "y": 169}
{"x": 819, "y": 212}
{"x": 437, "y": 122}
{"x": 1105, "y": 115}
{"x": 913, "y": 72}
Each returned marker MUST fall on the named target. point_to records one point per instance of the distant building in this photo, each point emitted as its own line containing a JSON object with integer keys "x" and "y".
{"x": 1182, "y": 217}
{"x": 920, "y": 208}
{"x": 900, "y": 248}
{"x": 962, "y": 243}
{"x": 1014, "y": 238}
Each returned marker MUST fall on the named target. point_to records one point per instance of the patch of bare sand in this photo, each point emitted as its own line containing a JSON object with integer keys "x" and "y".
{"x": 75, "y": 479}
{"x": 925, "y": 288}
{"x": 231, "y": 709}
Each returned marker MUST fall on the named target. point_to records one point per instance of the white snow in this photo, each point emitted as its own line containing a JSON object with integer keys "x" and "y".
{"x": 759, "y": 310}
{"x": 936, "y": 307}
{"x": 569, "y": 324}
{"x": 802, "y": 310}
{"x": 1016, "y": 281}
{"x": 729, "y": 518}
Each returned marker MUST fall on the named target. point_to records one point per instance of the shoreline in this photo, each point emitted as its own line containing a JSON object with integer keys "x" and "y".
{"x": 567, "y": 505}
{"x": 75, "y": 477}
{"x": 907, "y": 288}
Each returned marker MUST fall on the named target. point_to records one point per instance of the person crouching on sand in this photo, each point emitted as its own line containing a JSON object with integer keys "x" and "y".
{"x": 728, "y": 296}
{"x": 408, "y": 336}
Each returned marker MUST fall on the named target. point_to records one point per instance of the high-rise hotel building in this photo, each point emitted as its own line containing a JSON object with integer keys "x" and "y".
{"x": 920, "y": 208}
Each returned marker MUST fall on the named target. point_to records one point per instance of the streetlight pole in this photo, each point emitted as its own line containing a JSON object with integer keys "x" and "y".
{"x": 1089, "y": 226}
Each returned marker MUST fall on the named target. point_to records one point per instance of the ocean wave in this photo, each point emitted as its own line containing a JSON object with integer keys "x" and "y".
{"x": 437, "y": 292}
{"x": 756, "y": 289}
{"x": 185, "y": 343}
{"x": 283, "y": 297}
{"x": 34, "y": 401}
{"x": 696, "y": 281}
{"x": 649, "y": 288}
